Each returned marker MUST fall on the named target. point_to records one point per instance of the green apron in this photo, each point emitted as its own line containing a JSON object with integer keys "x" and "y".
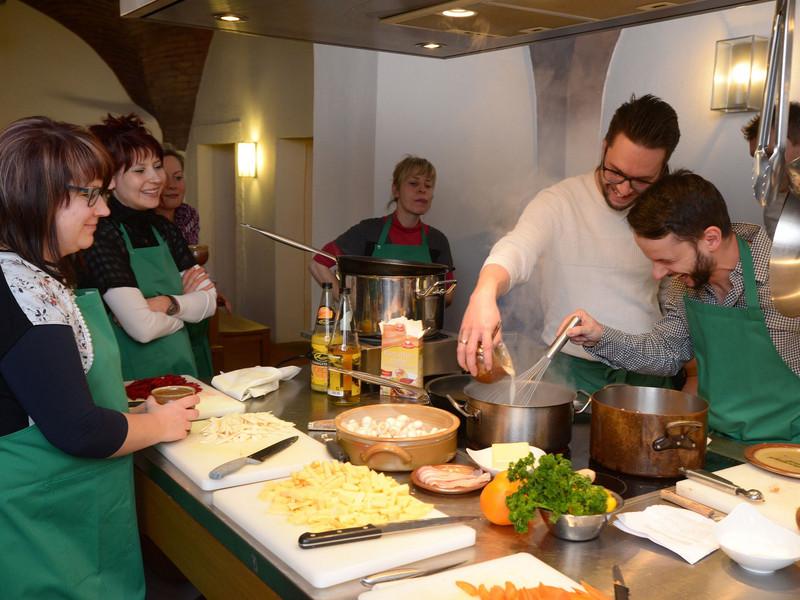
{"x": 419, "y": 253}
{"x": 156, "y": 275}
{"x": 201, "y": 347}
{"x": 68, "y": 525}
{"x": 590, "y": 376}
{"x": 752, "y": 393}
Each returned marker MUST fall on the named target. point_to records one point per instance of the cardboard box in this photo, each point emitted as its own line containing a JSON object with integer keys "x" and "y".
{"x": 401, "y": 356}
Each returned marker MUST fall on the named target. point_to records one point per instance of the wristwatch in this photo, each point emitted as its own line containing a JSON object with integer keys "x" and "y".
{"x": 174, "y": 307}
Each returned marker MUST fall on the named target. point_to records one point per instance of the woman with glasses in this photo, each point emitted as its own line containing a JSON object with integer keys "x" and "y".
{"x": 67, "y": 514}
{"x": 142, "y": 265}
{"x": 576, "y": 235}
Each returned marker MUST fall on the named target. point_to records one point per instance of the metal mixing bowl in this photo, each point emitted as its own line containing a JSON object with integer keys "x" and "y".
{"x": 579, "y": 528}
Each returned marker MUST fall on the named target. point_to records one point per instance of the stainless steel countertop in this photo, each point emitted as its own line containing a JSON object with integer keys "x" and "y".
{"x": 650, "y": 571}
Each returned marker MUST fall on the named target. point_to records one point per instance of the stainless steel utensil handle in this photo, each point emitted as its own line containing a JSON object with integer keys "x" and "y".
{"x": 714, "y": 480}
{"x": 561, "y": 339}
{"x": 382, "y": 381}
{"x": 288, "y": 242}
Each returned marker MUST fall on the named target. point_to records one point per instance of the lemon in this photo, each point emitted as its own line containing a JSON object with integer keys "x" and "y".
{"x": 611, "y": 502}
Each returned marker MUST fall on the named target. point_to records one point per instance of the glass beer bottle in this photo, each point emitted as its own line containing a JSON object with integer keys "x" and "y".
{"x": 321, "y": 339}
{"x": 344, "y": 352}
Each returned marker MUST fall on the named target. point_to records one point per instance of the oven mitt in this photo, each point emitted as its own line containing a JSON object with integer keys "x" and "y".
{"x": 684, "y": 532}
{"x": 252, "y": 382}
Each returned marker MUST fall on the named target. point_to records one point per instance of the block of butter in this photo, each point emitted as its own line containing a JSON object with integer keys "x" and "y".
{"x": 502, "y": 454}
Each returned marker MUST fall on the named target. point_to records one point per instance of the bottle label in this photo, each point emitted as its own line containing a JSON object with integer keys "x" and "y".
{"x": 339, "y": 384}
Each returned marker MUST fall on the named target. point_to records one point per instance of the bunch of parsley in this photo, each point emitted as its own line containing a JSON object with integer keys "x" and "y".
{"x": 552, "y": 485}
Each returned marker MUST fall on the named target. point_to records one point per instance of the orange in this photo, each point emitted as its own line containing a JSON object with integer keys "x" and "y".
{"x": 493, "y": 498}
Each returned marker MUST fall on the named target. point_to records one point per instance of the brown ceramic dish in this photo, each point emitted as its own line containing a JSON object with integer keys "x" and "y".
{"x": 399, "y": 454}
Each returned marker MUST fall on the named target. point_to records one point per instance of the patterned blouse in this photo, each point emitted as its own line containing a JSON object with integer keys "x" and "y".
{"x": 46, "y": 301}
{"x": 188, "y": 220}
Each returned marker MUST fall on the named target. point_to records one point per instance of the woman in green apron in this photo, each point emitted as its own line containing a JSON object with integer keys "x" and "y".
{"x": 67, "y": 513}
{"x": 400, "y": 235}
{"x": 142, "y": 266}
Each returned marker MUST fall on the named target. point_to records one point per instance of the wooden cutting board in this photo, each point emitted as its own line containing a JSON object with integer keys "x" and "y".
{"x": 327, "y": 566}
{"x": 522, "y": 569}
{"x": 781, "y": 493}
{"x": 196, "y": 459}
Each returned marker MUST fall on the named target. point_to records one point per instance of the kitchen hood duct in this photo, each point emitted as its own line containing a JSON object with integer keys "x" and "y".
{"x": 403, "y": 26}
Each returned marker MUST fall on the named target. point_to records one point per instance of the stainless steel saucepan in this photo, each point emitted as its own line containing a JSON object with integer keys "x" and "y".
{"x": 384, "y": 288}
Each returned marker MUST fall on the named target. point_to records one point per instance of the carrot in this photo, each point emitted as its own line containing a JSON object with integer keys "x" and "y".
{"x": 467, "y": 587}
{"x": 496, "y": 593}
{"x": 511, "y": 591}
{"x": 594, "y": 592}
{"x": 483, "y": 593}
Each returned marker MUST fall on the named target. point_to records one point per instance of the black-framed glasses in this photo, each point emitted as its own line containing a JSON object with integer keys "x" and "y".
{"x": 615, "y": 177}
{"x": 92, "y": 194}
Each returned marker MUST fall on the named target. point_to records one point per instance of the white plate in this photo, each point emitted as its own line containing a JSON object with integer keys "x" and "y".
{"x": 483, "y": 458}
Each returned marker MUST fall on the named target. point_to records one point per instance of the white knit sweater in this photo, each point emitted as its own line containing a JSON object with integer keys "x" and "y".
{"x": 587, "y": 257}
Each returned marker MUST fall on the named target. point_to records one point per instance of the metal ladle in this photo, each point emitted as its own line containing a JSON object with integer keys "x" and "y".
{"x": 784, "y": 264}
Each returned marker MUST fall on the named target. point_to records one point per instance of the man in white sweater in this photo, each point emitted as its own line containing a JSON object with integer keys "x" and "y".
{"x": 577, "y": 234}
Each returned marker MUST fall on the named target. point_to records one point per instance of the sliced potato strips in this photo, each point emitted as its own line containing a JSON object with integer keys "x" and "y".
{"x": 332, "y": 495}
{"x": 242, "y": 427}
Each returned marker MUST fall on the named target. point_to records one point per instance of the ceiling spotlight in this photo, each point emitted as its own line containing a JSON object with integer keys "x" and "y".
{"x": 430, "y": 45}
{"x": 229, "y": 18}
{"x": 459, "y": 12}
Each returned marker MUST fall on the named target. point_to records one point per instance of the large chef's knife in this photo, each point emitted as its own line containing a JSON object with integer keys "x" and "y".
{"x": 370, "y": 532}
{"x": 254, "y": 459}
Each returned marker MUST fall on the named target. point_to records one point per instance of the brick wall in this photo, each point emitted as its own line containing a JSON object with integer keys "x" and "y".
{"x": 159, "y": 66}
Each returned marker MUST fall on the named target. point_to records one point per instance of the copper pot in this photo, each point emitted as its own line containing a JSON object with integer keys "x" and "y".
{"x": 399, "y": 454}
{"x": 651, "y": 432}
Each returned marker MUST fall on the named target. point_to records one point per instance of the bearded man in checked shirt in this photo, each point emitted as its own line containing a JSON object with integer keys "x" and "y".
{"x": 718, "y": 310}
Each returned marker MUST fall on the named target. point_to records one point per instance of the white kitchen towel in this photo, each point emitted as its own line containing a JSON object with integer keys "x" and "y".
{"x": 252, "y": 382}
{"x": 684, "y": 532}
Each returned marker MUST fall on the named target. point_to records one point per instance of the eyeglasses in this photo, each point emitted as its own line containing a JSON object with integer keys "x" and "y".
{"x": 92, "y": 194}
{"x": 615, "y": 177}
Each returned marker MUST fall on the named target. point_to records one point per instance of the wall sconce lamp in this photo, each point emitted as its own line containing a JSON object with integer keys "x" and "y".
{"x": 740, "y": 68}
{"x": 246, "y": 159}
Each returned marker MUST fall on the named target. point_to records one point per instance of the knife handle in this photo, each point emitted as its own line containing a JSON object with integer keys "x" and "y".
{"x": 230, "y": 467}
{"x": 700, "y": 509}
{"x": 338, "y": 536}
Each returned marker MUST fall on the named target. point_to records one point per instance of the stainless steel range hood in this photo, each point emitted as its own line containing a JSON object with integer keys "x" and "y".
{"x": 403, "y": 26}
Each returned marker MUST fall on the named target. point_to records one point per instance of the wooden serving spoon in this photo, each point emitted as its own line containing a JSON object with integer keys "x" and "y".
{"x": 797, "y": 517}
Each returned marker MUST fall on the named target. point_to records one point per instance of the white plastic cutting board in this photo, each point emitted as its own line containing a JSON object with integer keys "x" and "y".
{"x": 327, "y": 566}
{"x": 781, "y": 493}
{"x": 522, "y": 569}
{"x": 213, "y": 403}
{"x": 196, "y": 459}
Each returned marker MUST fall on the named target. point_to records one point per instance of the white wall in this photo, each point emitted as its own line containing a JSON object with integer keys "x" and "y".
{"x": 252, "y": 89}
{"x": 473, "y": 118}
{"x": 675, "y": 60}
{"x": 47, "y": 70}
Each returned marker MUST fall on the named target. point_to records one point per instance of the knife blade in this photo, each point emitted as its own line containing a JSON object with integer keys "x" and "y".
{"x": 407, "y": 573}
{"x": 371, "y": 532}
{"x": 621, "y": 591}
{"x": 253, "y": 459}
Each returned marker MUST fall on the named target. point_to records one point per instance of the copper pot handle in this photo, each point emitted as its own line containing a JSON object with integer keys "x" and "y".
{"x": 680, "y": 440}
{"x": 370, "y": 451}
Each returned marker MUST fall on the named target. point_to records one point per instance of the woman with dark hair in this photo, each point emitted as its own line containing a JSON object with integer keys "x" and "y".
{"x": 67, "y": 514}
{"x": 157, "y": 296}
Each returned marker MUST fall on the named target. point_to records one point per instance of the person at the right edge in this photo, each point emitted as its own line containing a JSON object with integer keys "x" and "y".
{"x": 576, "y": 234}
{"x": 772, "y": 212}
